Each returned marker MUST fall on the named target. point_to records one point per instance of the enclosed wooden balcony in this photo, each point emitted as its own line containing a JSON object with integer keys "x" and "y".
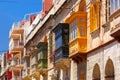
{"x": 16, "y": 46}
{"x": 16, "y": 30}
{"x": 15, "y": 36}
{"x": 61, "y": 32}
{"x": 42, "y": 57}
{"x": 77, "y": 35}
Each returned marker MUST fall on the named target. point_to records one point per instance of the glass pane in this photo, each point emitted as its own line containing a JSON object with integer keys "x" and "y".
{"x": 58, "y": 42}
{"x": 111, "y": 6}
{"x": 116, "y": 4}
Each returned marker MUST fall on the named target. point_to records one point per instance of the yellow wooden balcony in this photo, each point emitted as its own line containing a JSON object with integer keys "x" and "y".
{"x": 77, "y": 34}
{"x": 78, "y": 45}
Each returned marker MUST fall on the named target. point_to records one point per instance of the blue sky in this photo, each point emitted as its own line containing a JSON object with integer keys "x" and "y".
{"x": 14, "y": 11}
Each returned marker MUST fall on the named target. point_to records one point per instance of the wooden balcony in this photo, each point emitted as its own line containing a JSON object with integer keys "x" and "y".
{"x": 15, "y": 36}
{"x": 17, "y": 47}
{"x": 61, "y": 32}
{"x": 78, "y": 48}
{"x": 16, "y": 29}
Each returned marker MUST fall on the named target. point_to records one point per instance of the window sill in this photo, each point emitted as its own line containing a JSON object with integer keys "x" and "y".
{"x": 106, "y": 24}
{"x": 115, "y": 14}
{"x": 95, "y": 33}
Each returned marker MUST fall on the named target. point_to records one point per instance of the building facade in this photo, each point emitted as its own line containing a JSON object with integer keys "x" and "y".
{"x": 68, "y": 40}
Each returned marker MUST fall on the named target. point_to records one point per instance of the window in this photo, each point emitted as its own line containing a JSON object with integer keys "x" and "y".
{"x": 82, "y": 31}
{"x": 111, "y": 6}
{"x": 58, "y": 42}
{"x": 73, "y": 34}
{"x": 114, "y": 5}
{"x": 94, "y": 16}
{"x": 58, "y": 33}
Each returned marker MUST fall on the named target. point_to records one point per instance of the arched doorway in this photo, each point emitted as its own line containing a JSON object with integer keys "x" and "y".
{"x": 109, "y": 70}
{"x": 96, "y": 72}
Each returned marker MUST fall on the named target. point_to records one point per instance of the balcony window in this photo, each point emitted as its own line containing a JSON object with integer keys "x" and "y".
{"x": 94, "y": 16}
{"x": 61, "y": 35}
{"x": 61, "y": 42}
{"x": 114, "y": 5}
{"x": 77, "y": 32}
{"x": 58, "y": 42}
{"x": 73, "y": 34}
{"x": 42, "y": 55}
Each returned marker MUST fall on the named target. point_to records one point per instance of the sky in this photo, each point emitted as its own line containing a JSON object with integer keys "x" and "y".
{"x": 14, "y": 11}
